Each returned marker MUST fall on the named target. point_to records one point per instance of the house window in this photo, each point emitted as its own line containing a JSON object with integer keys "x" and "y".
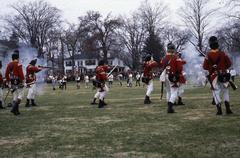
{"x": 68, "y": 63}
{"x": 90, "y": 62}
{"x": 110, "y": 62}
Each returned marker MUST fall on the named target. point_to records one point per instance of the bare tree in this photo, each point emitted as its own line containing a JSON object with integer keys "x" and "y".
{"x": 132, "y": 35}
{"x": 102, "y": 32}
{"x": 196, "y": 16}
{"x": 33, "y": 21}
{"x": 178, "y": 37}
{"x": 153, "y": 16}
{"x": 71, "y": 36}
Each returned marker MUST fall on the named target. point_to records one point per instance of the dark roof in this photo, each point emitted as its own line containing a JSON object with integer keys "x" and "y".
{"x": 85, "y": 56}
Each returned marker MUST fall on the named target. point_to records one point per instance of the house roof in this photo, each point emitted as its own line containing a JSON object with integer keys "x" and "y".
{"x": 86, "y": 56}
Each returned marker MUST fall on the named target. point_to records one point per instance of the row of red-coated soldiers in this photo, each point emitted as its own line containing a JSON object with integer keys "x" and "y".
{"x": 216, "y": 63}
{"x": 16, "y": 81}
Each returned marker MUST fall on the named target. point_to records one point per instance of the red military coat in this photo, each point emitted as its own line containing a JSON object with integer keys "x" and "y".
{"x": 101, "y": 72}
{"x": 148, "y": 66}
{"x": 14, "y": 70}
{"x": 31, "y": 73}
{"x": 173, "y": 65}
{"x": 218, "y": 58}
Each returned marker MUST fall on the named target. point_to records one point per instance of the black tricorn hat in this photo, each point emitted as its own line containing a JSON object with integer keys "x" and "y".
{"x": 213, "y": 42}
{"x": 171, "y": 46}
{"x": 15, "y": 55}
{"x": 148, "y": 57}
{"x": 33, "y": 62}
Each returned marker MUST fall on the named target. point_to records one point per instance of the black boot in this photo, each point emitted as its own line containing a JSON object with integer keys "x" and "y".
{"x": 105, "y": 104}
{"x": 27, "y": 103}
{"x": 147, "y": 100}
{"x": 170, "y": 107}
{"x": 1, "y": 106}
{"x": 228, "y": 110}
{"x": 219, "y": 109}
{"x": 15, "y": 108}
{"x": 94, "y": 101}
{"x": 33, "y": 102}
{"x": 180, "y": 101}
{"x": 100, "y": 104}
{"x": 213, "y": 102}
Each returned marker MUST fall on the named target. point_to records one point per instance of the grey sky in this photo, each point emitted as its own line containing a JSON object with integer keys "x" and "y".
{"x": 71, "y": 9}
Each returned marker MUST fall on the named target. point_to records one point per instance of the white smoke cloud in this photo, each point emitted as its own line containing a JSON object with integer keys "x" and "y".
{"x": 26, "y": 54}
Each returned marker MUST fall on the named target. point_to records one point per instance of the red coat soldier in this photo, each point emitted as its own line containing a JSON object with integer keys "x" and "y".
{"x": 147, "y": 78}
{"x": 217, "y": 64}
{"x": 15, "y": 78}
{"x": 101, "y": 78}
{"x": 172, "y": 75}
{"x": 31, "y": 71}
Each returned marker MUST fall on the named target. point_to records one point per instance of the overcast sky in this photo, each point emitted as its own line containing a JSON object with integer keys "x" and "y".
{"x": 71, "y": 9}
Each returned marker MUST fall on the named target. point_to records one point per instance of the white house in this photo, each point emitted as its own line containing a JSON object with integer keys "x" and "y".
{"x": 87, "y": 64}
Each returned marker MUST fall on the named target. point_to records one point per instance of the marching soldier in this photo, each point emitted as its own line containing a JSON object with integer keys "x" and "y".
{"x": 171, "y": 75}
{"x": 15, "y": 79}
{"x": 217, "y": 64}
{"x": 31, "y": 71}
{"x": 1, "y": 87}
{"x": 101, "y": 78}
{"x": 147, "y": 78}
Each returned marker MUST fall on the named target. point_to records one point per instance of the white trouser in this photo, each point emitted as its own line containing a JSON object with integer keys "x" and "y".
{"x": 171, "y": 92}
{"x": 1, "y": 94}
{"x": 219, "y": 89}
{"x": 32, "y": 91}
{"x": 180, "y": 90}
{"x": 149, "y": 88}
{"x": 103, "y": 93}
{"x": 18, "y": 94}
{"x": 97, "y": 94}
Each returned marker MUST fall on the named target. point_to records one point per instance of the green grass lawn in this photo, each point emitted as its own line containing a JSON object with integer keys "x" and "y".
{"x": 66, "y": 125}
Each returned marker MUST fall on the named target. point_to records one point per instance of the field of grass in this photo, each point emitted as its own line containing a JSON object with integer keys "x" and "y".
{"x": 66, "y": 125}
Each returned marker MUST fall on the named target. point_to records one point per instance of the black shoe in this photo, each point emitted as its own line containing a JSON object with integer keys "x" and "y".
{"x": 94, "y": 102}
{"x": 180, "y": 101}
{"x": 147, "y": 100}
{"x": 219, "y": 110}
{"x": 170, "y": 108}
{"x": 105, "y": 104}
{"x": 100, "y": 104}
{"x": 33, "y": 102}
{"x": 213, "y": 102}
{"x": 9, "y": 105}
{"x": 1, "y": 106}
{"x": 228, "y": 110}
{"x": 15, "y": 109}
{"x": 27, "y": 103}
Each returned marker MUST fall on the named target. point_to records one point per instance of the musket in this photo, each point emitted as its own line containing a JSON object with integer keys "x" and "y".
{"x": 45, "y": 67}
{"x": 112, "y": 70}
{"x": 7, "y": 95}
{"x": 162, "y": 87}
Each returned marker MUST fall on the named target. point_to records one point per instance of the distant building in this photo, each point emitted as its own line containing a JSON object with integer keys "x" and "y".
{"x": 87, "y": 64}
